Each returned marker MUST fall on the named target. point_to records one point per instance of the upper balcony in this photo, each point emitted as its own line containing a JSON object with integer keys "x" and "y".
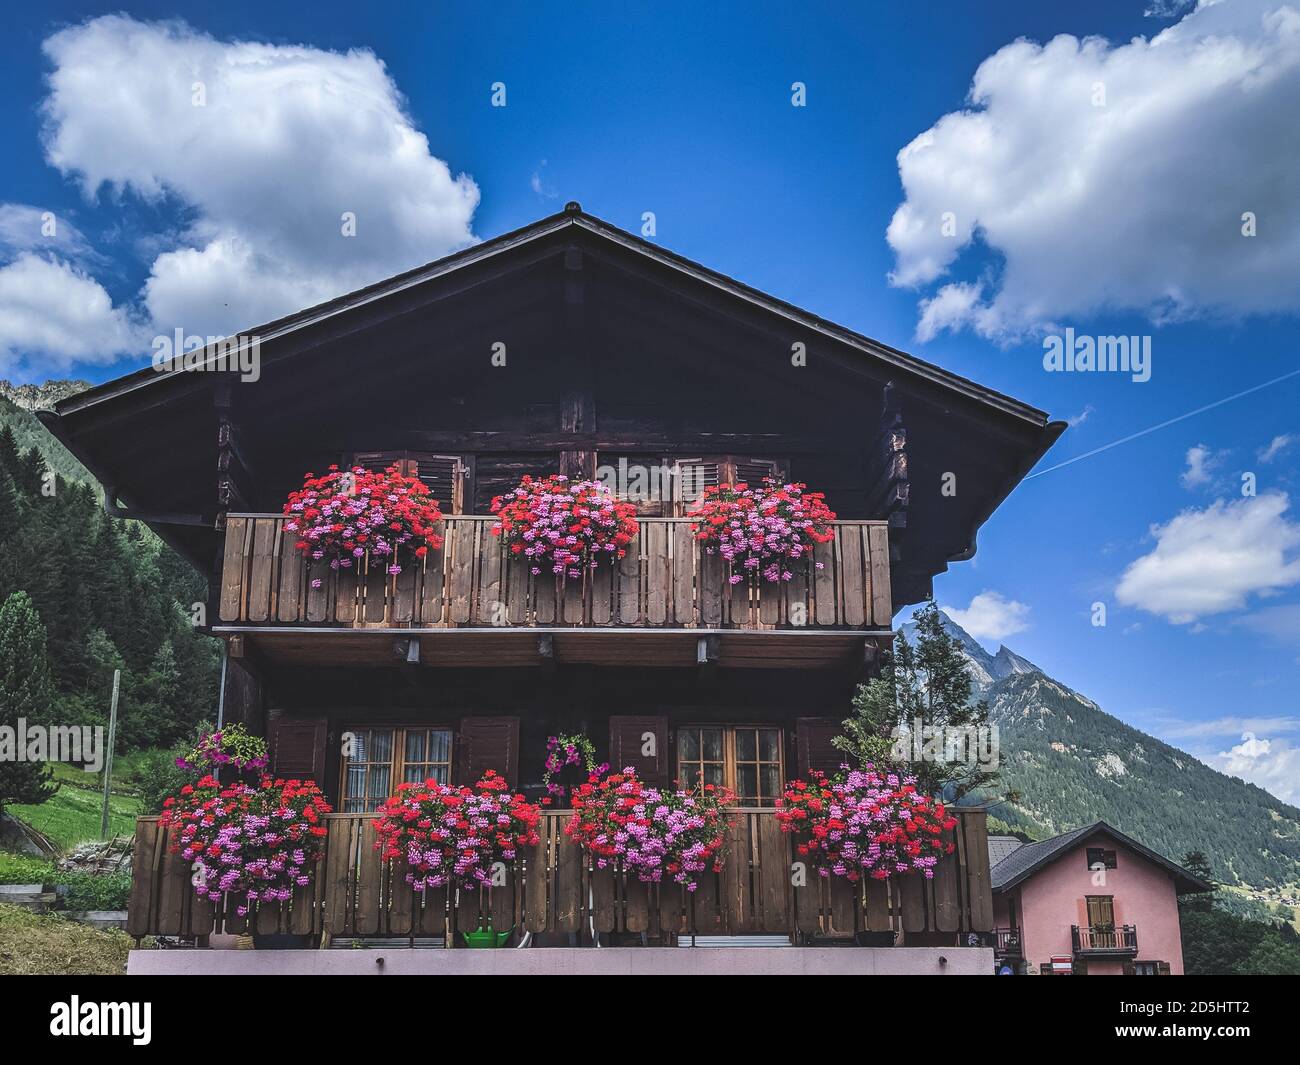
{"x": 500, "y": 614}
{"x": 1104, "y": 939}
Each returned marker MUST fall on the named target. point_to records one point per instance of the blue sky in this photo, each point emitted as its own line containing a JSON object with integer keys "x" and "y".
{"x": 1119, "y": 213}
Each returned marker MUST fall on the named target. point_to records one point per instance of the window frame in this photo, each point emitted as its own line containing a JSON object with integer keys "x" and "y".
{"x": 397, "y": 757}
{"x": 1108, "y": 858}
{"x": 730, "y": 762}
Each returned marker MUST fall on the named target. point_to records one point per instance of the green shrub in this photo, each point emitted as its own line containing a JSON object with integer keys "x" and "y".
{"x": 156, "y": 777}
{"x": 23, "y": 869}
{"x": 95, "y": 891}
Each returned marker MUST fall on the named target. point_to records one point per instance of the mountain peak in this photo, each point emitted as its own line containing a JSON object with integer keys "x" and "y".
{"x": 985, "y": 668}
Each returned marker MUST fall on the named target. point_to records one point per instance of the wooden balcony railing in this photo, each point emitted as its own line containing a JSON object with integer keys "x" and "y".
{"x": 666, "y": 581}
{"x": 1118, "y": 939}
{"x": 554, "y": 889}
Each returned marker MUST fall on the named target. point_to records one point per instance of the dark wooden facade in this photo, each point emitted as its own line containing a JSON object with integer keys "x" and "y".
{"x": 569, "y": 346}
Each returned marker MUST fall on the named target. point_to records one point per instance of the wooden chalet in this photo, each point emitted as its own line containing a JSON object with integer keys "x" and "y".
{"x": 570, "y": 346}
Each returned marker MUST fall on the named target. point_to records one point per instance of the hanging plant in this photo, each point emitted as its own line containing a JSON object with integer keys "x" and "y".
{"x": 865, "y": 823}
{"x": 231, "y": 746}
{"x": 762, "y": 532}
{"x": 565, "y": 752}
{"x": 658, "y": 835}
{"x": 562, "y": 525}
{"x": 251, "y": 843}
{"x": 454, "y": 835}
{"x": 346, "y": 513}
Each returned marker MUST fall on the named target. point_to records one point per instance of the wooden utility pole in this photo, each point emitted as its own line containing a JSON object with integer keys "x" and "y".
{"x": 108, "y": 757}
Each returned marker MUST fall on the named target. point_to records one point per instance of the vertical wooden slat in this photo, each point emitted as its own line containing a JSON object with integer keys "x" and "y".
{"x": 603, "y": 899}
{"x": 289, "y": 598}
{"x": 974, "y": 827}
{"x": 374, "y": 590}
{"x": 603, "y": 594}
{"x": 683, "y": 555}
{"x": 636, "y": 902}
{"x": 370, "y": 870}
{"x": 629, "y": 581}
{"x": 402, "y": 898}
{"x": 911, "y": 894}
{"x": 318, "y": 601}
{"x": 146, "y": 857}
{"x": 947, "y": 892}
{"x": 545, "y": 595}
{"x": 735, "y": 877}
{"x": 875, "y": 915}
{"x": 304, "y": 904}
{"x": 573, "y": 600}
{"x": 173, "y": 887}
{"x": 460, "y": 570}
{"x": 404, "y": 590}
{"x": 432, "y": 604}
{"x": 536, "y": 895}
{"x": 569, "y": 900}
{"x": 808, "y": 902}
{"x": 340, "y": 858}
{"x": 797, "y": 613}
{"x": 515, "y": 574}
{"x": 491, "y": 609}
{"x": 853, "y": 575}
{"x": 657, "y": 572}
{"x": 773, "y": 873}
{"x": 842, "y": 897}
{"x": 882, "y": 609}
{"x": 238, "y": 534}
{"x": 824, "y": 583}
{"x": 347, "y": 592}
{"x": 501, "y": 902}
{"x": 711, "y": 580}
{"x": 262, "y": 568}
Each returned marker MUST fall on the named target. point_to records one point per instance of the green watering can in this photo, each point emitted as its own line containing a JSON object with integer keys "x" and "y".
{"x": 485, "y": 938}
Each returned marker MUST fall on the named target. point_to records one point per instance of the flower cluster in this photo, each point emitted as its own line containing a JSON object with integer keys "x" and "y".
{"x": 346, "y": 513}
{"x": 865, "y": 823}
{"x": 453, "y": 834}
{"x": 232, "y": 746}
{"x": 658, "y": 835}
{"x": 563, "y": 752}
{"x": 566, "y": 525}
{"x": 762, "y": 530}
{"x": 251, "y": 843}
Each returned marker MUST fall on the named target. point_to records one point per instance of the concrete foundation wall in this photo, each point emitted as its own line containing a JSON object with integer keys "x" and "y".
{"x": 561, "y": 961}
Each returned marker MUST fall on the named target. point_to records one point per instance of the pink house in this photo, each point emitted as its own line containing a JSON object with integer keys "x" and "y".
{"x": 1090, "y": 902}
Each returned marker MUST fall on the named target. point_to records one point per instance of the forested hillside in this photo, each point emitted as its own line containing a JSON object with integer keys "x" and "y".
{"x": 109, "y": 593}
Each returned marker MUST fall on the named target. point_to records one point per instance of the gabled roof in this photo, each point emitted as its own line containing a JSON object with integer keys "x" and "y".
{"x": 1001, "y": 846}
{"x": 574, "y": 218}
{"x": 1024, "y": 861}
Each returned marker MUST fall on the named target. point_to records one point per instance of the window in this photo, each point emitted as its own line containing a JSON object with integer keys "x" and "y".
{"x": 1100, "y": 856}
{"x": 1146, "y": 968}
{"x": 444, "y": 475}
{"x": 378, "y": 758}
{"x": 748, "y": 759}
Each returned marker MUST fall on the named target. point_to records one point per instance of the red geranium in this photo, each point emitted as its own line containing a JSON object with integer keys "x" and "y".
{"x": 566, "y": 525}
{"x": 346, "y": 513}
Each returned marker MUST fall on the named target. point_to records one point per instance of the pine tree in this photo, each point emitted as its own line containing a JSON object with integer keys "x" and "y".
{"x": 25, "y": 692}
{"x": 926, "y": 685}
{"x": 8, "y": 450}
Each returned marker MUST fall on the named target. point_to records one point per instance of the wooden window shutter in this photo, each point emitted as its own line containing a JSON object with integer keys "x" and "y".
{"x": 812, "y": 740}
{"x": 628, "y": 739}
{"x": 298, "y": 748}
{"x": 488, "y": 743}
{"x": 1163, "y": 969}
{"x": 692, "y": 476}
{"x": 444, "y": 475}
{"x": 751, "y": 471}
{"x": 1128, "y": 968}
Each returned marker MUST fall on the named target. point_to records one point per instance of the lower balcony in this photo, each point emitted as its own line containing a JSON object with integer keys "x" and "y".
{"x": 1005, "y": 942}
{"x": 1104, "y": 939}
{"x": 554, "y": 897}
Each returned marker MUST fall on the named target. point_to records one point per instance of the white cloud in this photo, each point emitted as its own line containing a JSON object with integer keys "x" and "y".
{"x": 991, "y": 616}
{"x": 1197, "y": 128}
{"x": 1274, "y": 765}
{"x": 1201, "y": 464}
{"x": 1207, "y": 561}
{"x": 1275, "y": 447}
{"x": 27, "y": 228}
{"x": 1081, "y": 417}
{"x": 52, "y": 314}
{"x": 288, "y": 139}
{"x": 1226, "y": 726}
